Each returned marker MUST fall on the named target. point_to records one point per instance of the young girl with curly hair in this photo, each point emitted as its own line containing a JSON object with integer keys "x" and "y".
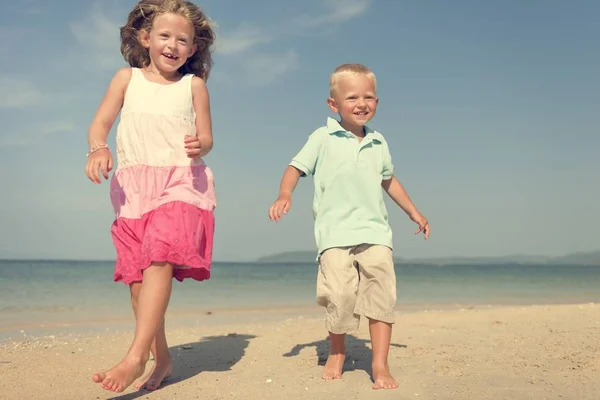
{"x": 162, "y": 191}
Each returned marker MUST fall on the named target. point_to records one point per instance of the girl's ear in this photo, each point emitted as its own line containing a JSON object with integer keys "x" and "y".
{"x": 144, "y": 38}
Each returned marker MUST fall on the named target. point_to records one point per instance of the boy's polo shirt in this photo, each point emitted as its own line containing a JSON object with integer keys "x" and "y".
{"x": 348, "y": 204}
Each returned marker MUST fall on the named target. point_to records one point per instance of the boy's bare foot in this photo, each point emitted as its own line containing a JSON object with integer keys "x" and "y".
{"x": 382, "y": 378}
{"x": 337, "y": 355}
{"x": 119, "y": 377}
{"x": 155, "y": 377}
{"x": 334, "y": 366}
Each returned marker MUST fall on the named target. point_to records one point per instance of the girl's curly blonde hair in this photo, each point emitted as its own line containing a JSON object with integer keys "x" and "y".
{"x": 142, "y": 17}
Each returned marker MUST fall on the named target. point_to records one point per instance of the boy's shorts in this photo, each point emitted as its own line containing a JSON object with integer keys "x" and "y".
{"x": 354, "y": 281}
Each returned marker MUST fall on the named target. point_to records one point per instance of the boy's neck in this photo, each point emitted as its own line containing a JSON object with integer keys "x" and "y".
{"x": 358, "y": 131}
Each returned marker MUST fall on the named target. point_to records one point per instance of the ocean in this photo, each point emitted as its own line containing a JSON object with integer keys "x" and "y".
{"x": 41, "y": 297}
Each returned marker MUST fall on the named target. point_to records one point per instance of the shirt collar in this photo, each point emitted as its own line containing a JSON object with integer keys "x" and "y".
{"x": 333, "y": 126}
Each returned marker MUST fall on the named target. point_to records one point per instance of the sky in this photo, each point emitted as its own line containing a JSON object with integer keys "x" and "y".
{"x": 491, "y": 111}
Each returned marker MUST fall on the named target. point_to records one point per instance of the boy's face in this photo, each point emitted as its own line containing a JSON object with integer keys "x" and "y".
{"x": 354, "y": 99}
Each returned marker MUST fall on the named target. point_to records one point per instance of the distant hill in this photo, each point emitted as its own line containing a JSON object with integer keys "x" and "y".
{"x": 590, "y": 258}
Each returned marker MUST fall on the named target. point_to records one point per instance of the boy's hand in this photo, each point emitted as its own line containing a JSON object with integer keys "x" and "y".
{"x": 280, "y": 207}
{"x": 423, "y": 225}
{"x": 192, "y": 146}
{"x": 99, "y": 162}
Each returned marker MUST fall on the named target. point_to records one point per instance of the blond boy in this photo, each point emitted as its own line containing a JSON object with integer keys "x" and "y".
{"x": 350, "y": 164}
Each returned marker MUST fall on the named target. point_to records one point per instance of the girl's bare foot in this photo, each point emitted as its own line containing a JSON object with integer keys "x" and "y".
{"x": 334, "y": 366}
{"x": 119, "y": 377}
{"x": 382, "y": 378}
{"x": 156, "y": 376}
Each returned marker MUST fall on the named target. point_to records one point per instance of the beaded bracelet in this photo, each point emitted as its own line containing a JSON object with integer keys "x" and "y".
{"x": 96, "y": 148}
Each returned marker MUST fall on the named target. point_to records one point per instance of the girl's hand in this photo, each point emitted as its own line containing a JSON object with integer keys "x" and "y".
{"x": 192, "y": 146}
{"x": 100, "y": 160}
{"x": 280, "y": 207}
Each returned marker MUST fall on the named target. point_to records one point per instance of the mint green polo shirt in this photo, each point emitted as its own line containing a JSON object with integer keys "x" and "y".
{"x": 348, "y": 204}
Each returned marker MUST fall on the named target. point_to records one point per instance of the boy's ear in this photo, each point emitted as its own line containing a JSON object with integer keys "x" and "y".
{"x": 144, "y": 37}
{"x": 332, "y": 105}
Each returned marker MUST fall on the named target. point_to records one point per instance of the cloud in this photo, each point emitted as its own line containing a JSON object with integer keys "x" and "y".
{"x": 241, "y": 39}
{"x": 18, "y": 92}
{"x": 259, "y": 69}
{"x": 32, "y": 134}
{"x": 98, "y": 35}
{"x": 338, "y": 11}
{"x": 264, "y": 69}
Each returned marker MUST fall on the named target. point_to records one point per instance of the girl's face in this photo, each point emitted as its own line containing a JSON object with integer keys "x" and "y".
{"x": 170, "y": 42}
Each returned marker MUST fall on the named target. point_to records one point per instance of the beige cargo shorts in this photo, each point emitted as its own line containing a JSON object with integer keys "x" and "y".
{"x": 356, "y": 281}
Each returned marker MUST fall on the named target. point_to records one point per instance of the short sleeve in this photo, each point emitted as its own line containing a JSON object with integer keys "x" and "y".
{"x": 388, "y": 167}
{"x": 306, "y": 159}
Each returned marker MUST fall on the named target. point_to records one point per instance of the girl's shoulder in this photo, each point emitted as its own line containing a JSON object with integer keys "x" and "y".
{"x": 124, "y": 75}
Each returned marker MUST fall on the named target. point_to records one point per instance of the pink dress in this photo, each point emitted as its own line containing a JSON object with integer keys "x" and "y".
{"x": 163, "y": 200}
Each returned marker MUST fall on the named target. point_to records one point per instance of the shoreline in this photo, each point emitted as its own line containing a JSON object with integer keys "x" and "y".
{"x": 220, "y": 316}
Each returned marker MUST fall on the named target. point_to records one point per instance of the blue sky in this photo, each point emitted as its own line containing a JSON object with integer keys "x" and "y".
{"x": 490, "y": 109}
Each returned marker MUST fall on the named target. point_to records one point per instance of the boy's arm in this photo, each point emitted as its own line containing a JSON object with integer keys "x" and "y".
{"x": 290, "y": 179}
{"x": 303, "y": 164}
{"x": 396, "y": 191}
{"x": 284, "y": 201}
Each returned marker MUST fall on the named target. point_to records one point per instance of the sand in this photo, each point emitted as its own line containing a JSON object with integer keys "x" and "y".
{"x": 532, "y": 352}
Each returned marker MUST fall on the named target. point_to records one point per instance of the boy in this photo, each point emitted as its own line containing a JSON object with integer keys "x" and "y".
{"x": 350, "y": 164}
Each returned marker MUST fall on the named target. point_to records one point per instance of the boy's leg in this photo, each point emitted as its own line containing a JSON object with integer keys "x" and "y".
{"x": 376, "y": 301}
{"x": 381, "y": 335}
{"x": 337, "y": 287}
{"x": 335, "y": 359}
{"x": 162, "y": 368}
{"x": 152, "y": 304}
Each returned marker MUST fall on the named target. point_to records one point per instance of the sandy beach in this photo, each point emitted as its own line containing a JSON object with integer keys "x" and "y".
{"x": 531, "y": 352}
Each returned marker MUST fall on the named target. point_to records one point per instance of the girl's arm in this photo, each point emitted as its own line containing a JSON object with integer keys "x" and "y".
{"x": 203, "y": 120}
{"x": 99, "y": 158}
{"x": 109, "y": 108}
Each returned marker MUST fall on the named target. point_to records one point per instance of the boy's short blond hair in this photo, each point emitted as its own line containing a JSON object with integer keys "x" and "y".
{"x": 349, "y": 69}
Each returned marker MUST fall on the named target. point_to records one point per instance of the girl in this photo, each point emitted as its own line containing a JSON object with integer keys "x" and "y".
{"x": 162, "y": 191}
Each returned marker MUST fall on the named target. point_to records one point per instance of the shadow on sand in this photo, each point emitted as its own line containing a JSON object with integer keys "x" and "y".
{"x": 212, "y": 353}
{"x": 358, "y": 354}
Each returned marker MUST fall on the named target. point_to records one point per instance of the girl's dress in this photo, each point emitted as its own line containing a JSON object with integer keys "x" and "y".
{"x": 163, "y": 200}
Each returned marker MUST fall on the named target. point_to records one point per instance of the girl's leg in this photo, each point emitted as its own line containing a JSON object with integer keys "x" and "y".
{"x": 152, "y": 304}
{"x": 161, "y": 369}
